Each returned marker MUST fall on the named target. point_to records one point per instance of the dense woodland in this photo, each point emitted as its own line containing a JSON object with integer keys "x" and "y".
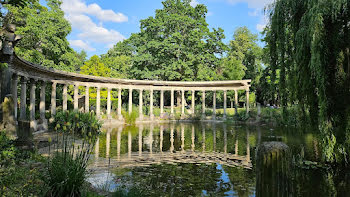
{"x": 304, "y": 66}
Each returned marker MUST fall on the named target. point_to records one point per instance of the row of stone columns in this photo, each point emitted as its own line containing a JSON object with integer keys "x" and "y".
{"x": 33, "y": 82}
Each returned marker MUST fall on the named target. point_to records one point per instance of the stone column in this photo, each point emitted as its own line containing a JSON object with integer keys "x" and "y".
{"x": 109, "y": 103}
{"x": 236, "y": 102}
{"x": 87, "y": 99}
{"x": 140, "y": 104}
{"x": 98, "y": 101}
{"x": 225, "y": 104}
{"x": 76, "y": 96}
{"x": 120, "y": 116}
{"x": 151, "y": 105}
{"x": 53, "y": 99}
{"x": 172, "y": 102}
{"x": 247, "y": 101}
{"x": 42, "y": 106}
{"x": 193, "y": 101}
{"x": 161, "y": 103}
{"x": 130, "y": 101}
{"x": 203, "y": 104}
{"x": 214, "y": 105}
{"x": 14, "y": 92}
{"x": 22, "y": 115}
{"x": 151, "y": 140}
{"x": 64, "y": 107}
{"x": 32, "y": 101}
{"x": 182, "y": 102}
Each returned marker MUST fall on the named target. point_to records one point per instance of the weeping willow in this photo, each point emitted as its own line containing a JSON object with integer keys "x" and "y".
{"x": 309, "y": 43}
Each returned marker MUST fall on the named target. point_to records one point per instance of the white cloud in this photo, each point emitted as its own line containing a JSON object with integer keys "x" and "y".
{"x": 194, "y": 3}
{"x": 255, "y": 4}
{"x": 91, "y": 31}
{"x": 79, "y": 14}
{"x": 77, "y": 7}
{"x": 82, "y": 45}
{"x": 262, "y": 24}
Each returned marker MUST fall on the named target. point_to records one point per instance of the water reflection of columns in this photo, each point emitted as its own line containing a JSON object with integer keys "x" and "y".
{"x": 203, "y": 136}
{"x": 182, "y": 138}
{"x": 236, "y": 144}
{"x": 161, "y": 139}
{"x": 119, "y": 141}
{"x": 129, "y": 144}
{"x": 248, "y": 148}
{"x": 172, "y": 139}
{"x": 140, "y": 140}
{"x": 192, "y": 137}
{"x": 225, "y": 139}
{"x": 214, "y": 137}
{"x": 97, "y": 148}
{"x": 151, "y": 140}
{"x": 108, "y": 142}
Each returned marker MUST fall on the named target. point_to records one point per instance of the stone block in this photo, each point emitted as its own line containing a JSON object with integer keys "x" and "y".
{"x": 8, "y": 121}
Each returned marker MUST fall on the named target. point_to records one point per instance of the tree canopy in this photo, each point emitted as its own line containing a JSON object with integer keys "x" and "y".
{"x": 176, "y": 44}
{"x": 44, "y": 31}
{"x": 308, "y": 43}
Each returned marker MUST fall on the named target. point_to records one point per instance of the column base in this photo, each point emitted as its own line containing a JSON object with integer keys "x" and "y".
{"x": 140, "y": 118}
{"x": 33, "y": 125}
{"x": 183, "y": 116}
{"x": 204, "y": 117}
{"x": 151, "y": 117}
{"x": 224, "y": 117}
{"x": 214, "y": 117}
{"x": 120, "y": 117}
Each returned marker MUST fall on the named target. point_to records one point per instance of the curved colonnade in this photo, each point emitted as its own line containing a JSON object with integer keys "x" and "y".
{"x": 31, "y": 76}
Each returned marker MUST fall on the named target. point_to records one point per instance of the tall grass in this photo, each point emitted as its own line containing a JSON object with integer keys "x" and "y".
{"x": 77, "y": 133}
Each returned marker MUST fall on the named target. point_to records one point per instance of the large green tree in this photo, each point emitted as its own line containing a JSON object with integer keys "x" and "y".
{"x": 44, "y": 31}
{"x": 176, "y": 44}
{"x": 309, "y": 42}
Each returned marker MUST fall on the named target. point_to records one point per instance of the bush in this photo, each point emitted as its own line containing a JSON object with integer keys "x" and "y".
{"x": 7, "y": 150}
{"x": 130, "y": 118}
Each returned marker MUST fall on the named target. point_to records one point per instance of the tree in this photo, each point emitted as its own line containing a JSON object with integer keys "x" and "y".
{"x": 176, "y": 44}
{"x": 95, "y": 67}
{"x": 309, "y": 42}
{"x": 44, "y": 32}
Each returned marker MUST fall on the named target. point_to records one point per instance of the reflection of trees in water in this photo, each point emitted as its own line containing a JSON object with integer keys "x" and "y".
{"x": 178, "y": 180}
{"x": 305, "y": 182}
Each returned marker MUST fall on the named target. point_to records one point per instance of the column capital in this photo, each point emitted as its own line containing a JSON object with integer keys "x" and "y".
{"x": 24, "y": 79}
{"x": 14, "y": 75}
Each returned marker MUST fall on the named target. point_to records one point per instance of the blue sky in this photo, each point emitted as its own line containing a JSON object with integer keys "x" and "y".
{"x": 99, "y": 24}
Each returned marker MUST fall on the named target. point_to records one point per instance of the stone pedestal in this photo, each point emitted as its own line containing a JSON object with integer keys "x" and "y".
{"x": 9, "y": 122}
{"x": 273, "y": 165}
{"x": 25, "y": 135}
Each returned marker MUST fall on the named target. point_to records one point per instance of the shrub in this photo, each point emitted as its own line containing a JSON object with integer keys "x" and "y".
{"x": 7, "y": 150}
{"x": 130, "y": 118}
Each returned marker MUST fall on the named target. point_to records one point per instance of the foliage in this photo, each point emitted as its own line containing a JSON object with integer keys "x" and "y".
{"x": 67, "y": 167}
{"x": 95, "y": 67}
{"x": 78, "y": 123}
{"x": 130, "y": 118}
{"x": 175, "y": 44}
{"x": 308, "y": 41}
{"x": 44, "y": 31}
{"x": 7, "y": 150}
{"x": 120, "y": 65}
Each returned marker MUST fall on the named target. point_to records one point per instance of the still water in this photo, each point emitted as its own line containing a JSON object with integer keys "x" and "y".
{"x": 206, "y": 159}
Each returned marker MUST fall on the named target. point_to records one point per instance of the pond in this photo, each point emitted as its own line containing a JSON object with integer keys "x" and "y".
{"x": 207, "y": 159}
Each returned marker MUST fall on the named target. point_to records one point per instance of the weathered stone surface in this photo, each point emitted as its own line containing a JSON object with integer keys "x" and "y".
{"x": 11, "y": 28}
{"x": 8, "y": 123}
{"x": 273, "y": 165}
{"x": 25, "y": 135}
{"x": 7, "y": 48}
